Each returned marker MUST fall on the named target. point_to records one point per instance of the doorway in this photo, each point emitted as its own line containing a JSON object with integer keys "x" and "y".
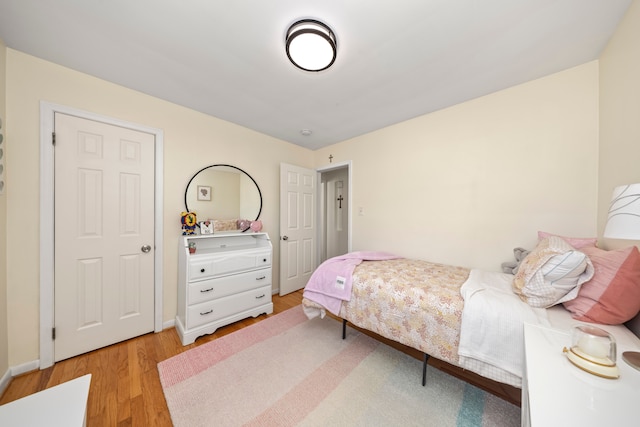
{"x": 334, "y": 216}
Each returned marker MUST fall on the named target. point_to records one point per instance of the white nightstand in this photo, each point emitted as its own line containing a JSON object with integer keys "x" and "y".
{"x": 557, "y": 393}
{"x": 64, "y": 405}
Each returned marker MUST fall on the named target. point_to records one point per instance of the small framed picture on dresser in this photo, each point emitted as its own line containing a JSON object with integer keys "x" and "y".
{"x": 206, "y": 227}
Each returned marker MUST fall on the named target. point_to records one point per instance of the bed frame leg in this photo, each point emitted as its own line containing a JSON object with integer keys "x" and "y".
{"x": 424, "y": 369}
{"x": 424, "y": 360}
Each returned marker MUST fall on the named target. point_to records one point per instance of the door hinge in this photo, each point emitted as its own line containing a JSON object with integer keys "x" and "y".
{"x": 53, "y": 138}
{"x": 53, "y": 333}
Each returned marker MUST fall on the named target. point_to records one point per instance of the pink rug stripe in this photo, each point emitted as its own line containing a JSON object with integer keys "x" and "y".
{"x": 316, "y": 387}
{"x": 196, "y": 360}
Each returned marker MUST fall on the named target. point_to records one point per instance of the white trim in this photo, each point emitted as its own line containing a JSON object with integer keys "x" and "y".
{"x": 47, "y": 111}
{"x": 5, "y": 381}
{"x": 25, "y": 368}
{"x": 13, "y": 372}
{"x": 328, "y": 168}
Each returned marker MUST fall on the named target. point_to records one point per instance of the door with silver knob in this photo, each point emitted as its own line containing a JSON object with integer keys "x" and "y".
{"x": 297, "y": 224}
{"x": 104, "y": 194}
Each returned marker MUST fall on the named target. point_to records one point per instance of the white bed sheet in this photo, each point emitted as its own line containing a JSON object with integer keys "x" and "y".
{"x": 559, "y": 318}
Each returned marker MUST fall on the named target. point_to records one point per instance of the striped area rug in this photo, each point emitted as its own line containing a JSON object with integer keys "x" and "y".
{"x": 290, "y": 371}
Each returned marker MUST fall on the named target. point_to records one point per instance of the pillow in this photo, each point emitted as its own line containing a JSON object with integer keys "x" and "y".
{"x": 552, "y": 273}
{"x": 613, "y": 295}
{"x": 576, "y": 242}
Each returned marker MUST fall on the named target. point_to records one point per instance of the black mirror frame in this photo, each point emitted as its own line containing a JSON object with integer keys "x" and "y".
{"x": 186, "y": 190}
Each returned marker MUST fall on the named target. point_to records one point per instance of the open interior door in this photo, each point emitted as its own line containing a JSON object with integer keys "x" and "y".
{"x": 297, "y": 226}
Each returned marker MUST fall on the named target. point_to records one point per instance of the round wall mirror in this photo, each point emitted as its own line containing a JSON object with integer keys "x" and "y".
{"x": 223, "y": 192}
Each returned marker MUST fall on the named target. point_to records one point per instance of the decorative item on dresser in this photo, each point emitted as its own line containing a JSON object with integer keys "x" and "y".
{"x": 227, "y": 278}
{"x": 206, "y": 227}
{"x": 188, "y": 220}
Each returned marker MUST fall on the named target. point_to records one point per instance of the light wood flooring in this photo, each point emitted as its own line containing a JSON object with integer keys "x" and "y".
{"x": 125, "y": 386}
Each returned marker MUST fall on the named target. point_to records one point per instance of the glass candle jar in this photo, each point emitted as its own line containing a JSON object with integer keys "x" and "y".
{"x": 593, "y": 350}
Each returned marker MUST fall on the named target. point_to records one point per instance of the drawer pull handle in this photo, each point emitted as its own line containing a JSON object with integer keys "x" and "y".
{"x": 261, "y": 278}
{"x": 206, "y": 312}
{"x": 206, "y": 290}
{"x": 261, "y": 296}
{"x": 202, "y": 270}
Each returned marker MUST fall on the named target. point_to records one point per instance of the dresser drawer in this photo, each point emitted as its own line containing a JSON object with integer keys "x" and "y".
{"x": 206, "y": 290}
{"x": 200, "y": 268}
{"x": 220, "y": 308}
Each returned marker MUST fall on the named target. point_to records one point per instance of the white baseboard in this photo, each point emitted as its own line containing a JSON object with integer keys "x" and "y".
{"x": 5, "y": 381}
{"x": 15, "y": 371}
{"x": 34, "y": 365}
{"x": 169, "y": 324}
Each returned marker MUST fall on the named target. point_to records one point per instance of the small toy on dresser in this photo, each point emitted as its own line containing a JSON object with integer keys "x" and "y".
{"x": 244, "y": 224}
{"x": 188, "y": 220}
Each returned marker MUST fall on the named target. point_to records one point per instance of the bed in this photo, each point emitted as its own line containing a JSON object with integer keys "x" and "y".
{"x": 467, "y": 317}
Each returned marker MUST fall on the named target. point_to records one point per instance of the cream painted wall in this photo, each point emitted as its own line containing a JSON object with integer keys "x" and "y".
{"x": 4, "y": 341}
{"x": 619, "y": 114}
{"x": 467, "y": 184}
{"x": 464, "y": 185}
{"x": 191, "y": 141}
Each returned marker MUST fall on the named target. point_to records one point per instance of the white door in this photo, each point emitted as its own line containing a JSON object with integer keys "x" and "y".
{"x": 297, "y": 227}
{"x": 104, "y": 235}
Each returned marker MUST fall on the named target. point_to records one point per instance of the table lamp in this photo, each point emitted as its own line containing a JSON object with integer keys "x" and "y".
{"x": 623, "y": 222}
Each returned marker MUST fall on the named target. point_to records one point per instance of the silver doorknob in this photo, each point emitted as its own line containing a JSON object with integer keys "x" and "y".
{"x": 285, "y": 237}
{"x": 145, "y": 248}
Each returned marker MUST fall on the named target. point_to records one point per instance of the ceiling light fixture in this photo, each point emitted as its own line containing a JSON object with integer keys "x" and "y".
{"x": 311, "y": 45}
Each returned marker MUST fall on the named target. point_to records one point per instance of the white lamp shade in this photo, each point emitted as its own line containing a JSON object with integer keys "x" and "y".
{"x": 311, "y": 45}
{"x": 624, "y": 213}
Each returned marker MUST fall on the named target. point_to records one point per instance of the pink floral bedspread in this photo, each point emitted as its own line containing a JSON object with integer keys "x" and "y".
{"x": 414, "y": 302}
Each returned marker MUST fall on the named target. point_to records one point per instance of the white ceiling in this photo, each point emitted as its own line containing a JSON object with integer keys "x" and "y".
{"x": 396, "y": 59}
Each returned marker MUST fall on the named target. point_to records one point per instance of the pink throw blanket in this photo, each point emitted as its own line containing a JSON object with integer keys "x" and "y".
{"x": 331, "y": 283}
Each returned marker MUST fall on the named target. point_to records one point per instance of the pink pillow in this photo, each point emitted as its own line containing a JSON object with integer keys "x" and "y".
{"x": 576, "y": 242}
{"x": 612, "y": 296}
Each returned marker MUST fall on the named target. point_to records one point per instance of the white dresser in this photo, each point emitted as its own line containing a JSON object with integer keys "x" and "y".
{"x": 226, "y": 279}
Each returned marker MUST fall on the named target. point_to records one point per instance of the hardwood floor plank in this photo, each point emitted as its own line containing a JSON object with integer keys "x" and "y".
{"x": 125, "y": 386}
{"x": 156, "y": 410}
{"x": 135, "y": 386}
{"x": 123, "y": 391}
{"x": 95, "y": 410}
{"x": 137, "y": 411}
{"x": 22, "y": 386}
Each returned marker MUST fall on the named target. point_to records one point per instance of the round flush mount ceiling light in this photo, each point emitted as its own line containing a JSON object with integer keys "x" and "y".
{"x": 311, "y": 45}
